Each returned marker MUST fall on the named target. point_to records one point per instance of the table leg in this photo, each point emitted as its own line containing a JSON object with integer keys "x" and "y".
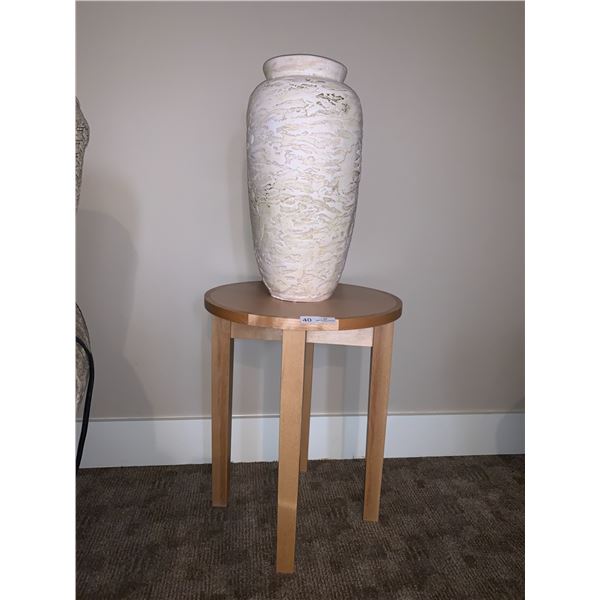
{"x": 290, "y": 423}
{"x": 221, "y": 389}
{"x": 306, "y": 397}
{"x": 379, "y": 389}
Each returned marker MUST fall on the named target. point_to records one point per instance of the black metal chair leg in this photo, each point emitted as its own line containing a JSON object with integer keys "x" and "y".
{"x": 87, "y": 403}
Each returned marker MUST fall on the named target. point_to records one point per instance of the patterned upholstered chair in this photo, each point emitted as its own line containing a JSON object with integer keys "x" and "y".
{"x": 84, "y": 383}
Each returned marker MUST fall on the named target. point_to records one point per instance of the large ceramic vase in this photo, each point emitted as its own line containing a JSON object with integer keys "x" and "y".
{"x": 304, "y": 142}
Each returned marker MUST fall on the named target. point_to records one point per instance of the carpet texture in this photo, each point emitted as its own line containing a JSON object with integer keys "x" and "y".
{"x": 450, "y": 528}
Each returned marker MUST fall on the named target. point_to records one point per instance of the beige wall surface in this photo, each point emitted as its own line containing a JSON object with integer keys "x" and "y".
{"x": 163, "y": 213}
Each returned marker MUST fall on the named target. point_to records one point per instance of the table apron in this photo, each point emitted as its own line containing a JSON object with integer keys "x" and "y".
{"x": 346, "y": 337}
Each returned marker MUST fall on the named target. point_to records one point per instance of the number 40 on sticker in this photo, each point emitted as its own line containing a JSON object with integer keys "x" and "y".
{"x": 314, "y": 319}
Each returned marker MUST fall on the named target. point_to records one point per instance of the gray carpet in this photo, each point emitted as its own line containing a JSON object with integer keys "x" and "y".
{"x": 450, "y": 528}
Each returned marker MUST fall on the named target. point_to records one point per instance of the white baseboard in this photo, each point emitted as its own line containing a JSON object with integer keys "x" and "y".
{"x": 134, "y": 442}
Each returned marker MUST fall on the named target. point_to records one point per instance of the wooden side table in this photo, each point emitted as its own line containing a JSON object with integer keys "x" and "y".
{"x": 353, "y": 316}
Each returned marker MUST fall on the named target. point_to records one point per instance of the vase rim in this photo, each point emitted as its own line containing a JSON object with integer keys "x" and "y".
{"x": 308, "y": 65}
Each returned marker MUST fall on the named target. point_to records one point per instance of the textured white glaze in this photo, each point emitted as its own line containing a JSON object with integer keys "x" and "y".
{"x": 304, "y": 142}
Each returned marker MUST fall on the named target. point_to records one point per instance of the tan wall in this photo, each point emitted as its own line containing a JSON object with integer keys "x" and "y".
{"x": 163, "y": 213}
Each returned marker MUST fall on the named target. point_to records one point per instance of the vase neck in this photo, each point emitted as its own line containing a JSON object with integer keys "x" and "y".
{"x": 306, "y": 65}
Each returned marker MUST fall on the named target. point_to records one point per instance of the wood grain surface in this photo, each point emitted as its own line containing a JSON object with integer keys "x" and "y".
{"x": 350, "y": 307}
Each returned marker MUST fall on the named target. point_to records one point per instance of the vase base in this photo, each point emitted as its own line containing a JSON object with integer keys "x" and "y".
{"x": 288, "y": 299}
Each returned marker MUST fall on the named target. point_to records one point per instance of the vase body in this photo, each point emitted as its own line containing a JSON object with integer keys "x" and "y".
{"x": 304, "y": 139}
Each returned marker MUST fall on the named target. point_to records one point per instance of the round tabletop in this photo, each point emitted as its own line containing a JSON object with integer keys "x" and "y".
{"x": 350, "y": 307}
